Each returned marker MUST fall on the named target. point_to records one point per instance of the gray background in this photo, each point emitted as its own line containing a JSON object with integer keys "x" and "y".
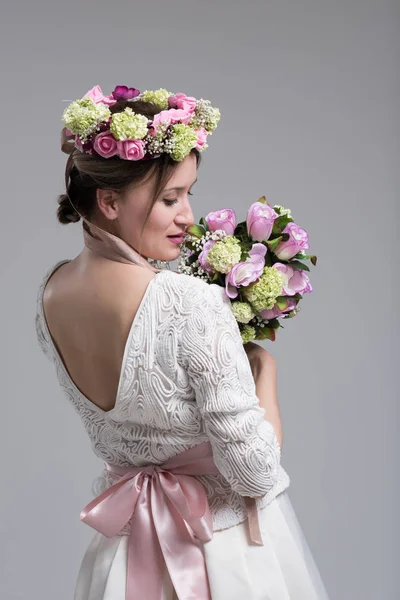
{"x": 309, "y": 96}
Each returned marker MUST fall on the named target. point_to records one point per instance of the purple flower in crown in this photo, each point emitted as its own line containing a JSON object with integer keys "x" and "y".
{"x": 122, "y": 92}
{"x": 86, "y": 146}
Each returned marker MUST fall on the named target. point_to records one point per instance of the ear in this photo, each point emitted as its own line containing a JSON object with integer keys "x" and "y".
{"x": 107, "y": 202}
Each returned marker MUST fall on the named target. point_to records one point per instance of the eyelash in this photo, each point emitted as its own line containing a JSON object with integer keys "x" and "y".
{"x": 172, "y": 202}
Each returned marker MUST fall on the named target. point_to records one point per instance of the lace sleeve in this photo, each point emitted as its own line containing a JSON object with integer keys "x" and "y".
{"x": 245, "y": 447}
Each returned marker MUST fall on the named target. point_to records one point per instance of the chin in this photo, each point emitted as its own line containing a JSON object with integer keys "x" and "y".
{"x": 172, "y": 254}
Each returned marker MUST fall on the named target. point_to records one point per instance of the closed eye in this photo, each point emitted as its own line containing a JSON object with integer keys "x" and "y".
{"x": 172, "y": 202}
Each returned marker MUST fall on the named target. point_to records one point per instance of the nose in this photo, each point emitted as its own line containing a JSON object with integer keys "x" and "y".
{"x": 185, "y": 217}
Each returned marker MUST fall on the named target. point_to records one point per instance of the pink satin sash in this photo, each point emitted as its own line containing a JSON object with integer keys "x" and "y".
{"x": 168, "y": 509}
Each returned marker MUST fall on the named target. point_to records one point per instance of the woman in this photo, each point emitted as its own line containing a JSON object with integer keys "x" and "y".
{"x": 192, "y": 502}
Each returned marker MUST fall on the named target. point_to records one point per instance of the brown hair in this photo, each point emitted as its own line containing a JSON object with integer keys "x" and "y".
{"x": 85, "y": 173}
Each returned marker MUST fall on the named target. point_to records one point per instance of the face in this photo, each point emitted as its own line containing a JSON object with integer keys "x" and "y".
{"x": 170, "y": 215}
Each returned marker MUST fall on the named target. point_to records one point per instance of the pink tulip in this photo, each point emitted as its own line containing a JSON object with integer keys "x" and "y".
{"x": 296, "y": 280}
{"x": 275, "y": 312}
{"x": 244, "y": 273}
{"x": 224, "y": 219}
{"x": 260, "y": 221}
{"x": 297, "y": 241}
{"x": 203, "y": 255}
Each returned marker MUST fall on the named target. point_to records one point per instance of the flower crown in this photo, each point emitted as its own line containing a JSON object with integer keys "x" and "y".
{"x": 182, "y": 124}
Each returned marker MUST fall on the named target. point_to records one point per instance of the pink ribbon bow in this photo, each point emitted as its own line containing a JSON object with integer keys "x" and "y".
{"x": 169, "y": 510}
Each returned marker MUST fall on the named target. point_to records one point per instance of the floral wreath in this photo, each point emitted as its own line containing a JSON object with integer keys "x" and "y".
{"x": 182, "y": 124}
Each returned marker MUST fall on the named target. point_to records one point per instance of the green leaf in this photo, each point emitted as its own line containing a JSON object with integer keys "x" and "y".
{"x": 204, "y": 223}
{"x": 291, "y": 314}
{"x": 266, "y": 333}
{"x": 240, "y": 228}
{"x": 196, "y": 230}
{"x": 192, "y": 259}
{"x": 282, "y": 221}
{"x": 276, "y": 230}
{"x": 299, "y": 265}
{"x": 313, "y": 260}
{"x": 272, "y": 244}
{"x": 263, "y": 200}
{"x": 282, "y": 302}
{"x": 273, "y": 323}
{"x": 268, "y": 259}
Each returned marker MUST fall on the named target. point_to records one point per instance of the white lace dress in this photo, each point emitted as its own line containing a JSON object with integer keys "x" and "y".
{"x": 185, "y": 380}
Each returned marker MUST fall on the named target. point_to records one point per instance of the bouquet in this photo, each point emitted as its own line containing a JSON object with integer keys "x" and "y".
{"x": 259, "y": 262}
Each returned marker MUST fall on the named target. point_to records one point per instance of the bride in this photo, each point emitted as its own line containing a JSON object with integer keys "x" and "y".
{"x": 193, "y": 500}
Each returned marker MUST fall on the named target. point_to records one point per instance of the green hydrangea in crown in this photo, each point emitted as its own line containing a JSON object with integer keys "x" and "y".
{"x": 182, "y": 124}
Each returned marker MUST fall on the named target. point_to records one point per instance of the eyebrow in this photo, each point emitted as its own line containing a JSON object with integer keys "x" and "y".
{"x": 179, "y": 189}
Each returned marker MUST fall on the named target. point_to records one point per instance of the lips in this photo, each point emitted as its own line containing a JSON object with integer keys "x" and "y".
{"x": 176, "y": 239}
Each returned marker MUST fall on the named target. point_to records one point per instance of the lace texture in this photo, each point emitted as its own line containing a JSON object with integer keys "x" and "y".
{"x": 186, "y": 379}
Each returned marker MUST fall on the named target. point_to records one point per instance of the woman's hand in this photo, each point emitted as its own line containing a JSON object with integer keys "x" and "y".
{"x": 264, "y": 369}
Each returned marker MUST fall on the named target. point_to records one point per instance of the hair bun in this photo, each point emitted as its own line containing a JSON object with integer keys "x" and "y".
{"x": 65, "y": 211}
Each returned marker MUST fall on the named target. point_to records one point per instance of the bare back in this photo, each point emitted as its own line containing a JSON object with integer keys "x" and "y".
{"x": 89, "y": 307}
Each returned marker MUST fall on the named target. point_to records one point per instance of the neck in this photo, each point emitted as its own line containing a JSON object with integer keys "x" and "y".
{"x": 110, "y": 246}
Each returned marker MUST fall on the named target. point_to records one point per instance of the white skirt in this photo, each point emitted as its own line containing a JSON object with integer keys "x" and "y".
{"x": 282, "y": 569}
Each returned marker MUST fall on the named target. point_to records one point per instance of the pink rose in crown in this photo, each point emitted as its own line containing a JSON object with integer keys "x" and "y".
{"x": 201, "y": 138}
{"x": 131, "y": 149}
{"x": 260, "y": 221}
{"x": 274, "y": 312}
{"x": 97, "y": 96}
{"x": 296, "y": 281}
{"x": 105, "y": 144}
{"x": 172, "y": 116}
{"x": 203, "y": 255}
{"x": 224, "y": 219}
{"x": 244, "y": 273}
{"x": 187, "y": 103}
{"x": 298, "y": 240}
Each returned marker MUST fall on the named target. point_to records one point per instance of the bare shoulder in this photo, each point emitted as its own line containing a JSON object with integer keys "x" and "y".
{"x": 109, "y": 284}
